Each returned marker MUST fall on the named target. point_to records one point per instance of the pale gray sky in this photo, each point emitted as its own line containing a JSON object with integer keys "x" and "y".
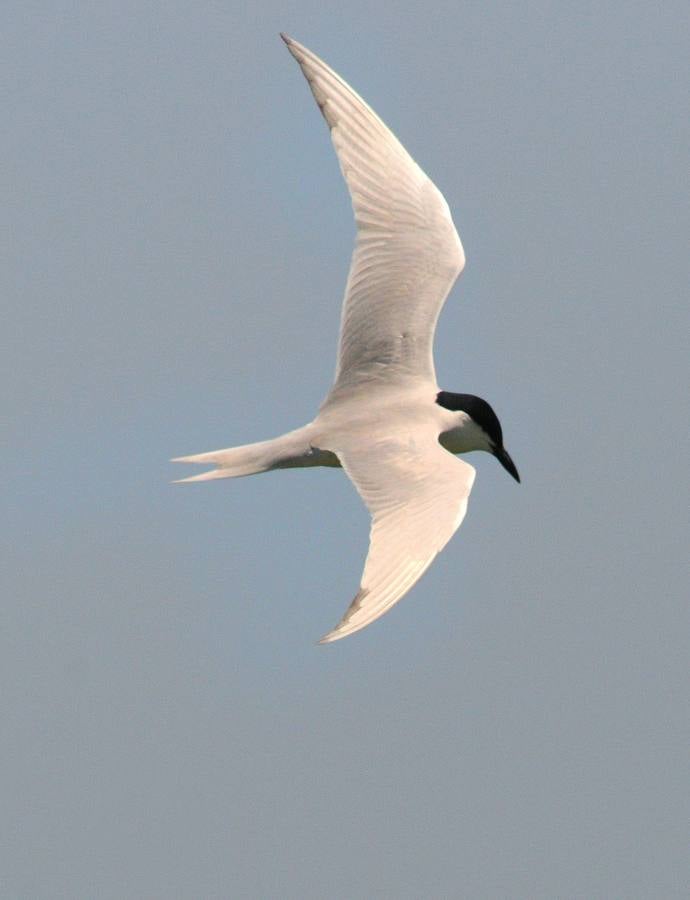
{"x": 177, "y": 238}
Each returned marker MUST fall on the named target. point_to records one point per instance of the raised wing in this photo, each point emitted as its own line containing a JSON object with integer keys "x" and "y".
{"x": 407, "y": 252}
{"x": 417, "y": 495}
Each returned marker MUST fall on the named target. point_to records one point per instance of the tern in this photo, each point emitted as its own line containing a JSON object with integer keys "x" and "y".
{"x": 385, "y": 420}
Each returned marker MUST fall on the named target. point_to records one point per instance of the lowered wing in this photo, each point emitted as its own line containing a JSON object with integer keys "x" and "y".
{"x": 417, "y": 495}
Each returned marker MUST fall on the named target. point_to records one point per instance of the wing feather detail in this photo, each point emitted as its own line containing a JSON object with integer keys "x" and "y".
{"x": 417, "y": 495}
{"x": 407, "y": 252}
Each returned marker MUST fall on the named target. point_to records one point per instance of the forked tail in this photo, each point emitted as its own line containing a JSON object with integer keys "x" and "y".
{"x": 292, "y": 449}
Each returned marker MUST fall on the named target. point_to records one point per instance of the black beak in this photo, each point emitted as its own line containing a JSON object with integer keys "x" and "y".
{"x": 504, "y": 458}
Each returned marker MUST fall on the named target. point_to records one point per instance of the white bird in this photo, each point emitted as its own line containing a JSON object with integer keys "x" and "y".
{"x": 385, "y": 420}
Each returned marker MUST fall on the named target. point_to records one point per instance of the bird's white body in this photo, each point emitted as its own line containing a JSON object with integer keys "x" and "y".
{"x": 382, "y": 421}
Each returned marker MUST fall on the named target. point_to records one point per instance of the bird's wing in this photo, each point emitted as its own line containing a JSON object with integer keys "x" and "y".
{"x": 407, "y": 252}
{"x": 417, "y": 495}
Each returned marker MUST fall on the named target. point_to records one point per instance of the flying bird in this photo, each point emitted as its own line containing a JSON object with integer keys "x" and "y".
{"x": 385, "y": 420}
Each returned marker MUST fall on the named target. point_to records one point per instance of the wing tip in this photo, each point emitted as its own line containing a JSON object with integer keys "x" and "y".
{"x": 336, "y": 634}
{"x": 293, "y": 46}
{"x": 344, "y": 628}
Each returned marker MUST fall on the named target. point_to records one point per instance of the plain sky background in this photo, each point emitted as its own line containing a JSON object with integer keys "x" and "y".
{"x": 176, "y": 242}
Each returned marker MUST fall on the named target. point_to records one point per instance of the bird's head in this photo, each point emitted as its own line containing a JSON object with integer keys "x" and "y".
{"x": 481, "y": 430}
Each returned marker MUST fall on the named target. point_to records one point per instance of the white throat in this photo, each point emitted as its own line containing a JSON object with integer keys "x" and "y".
{"x": 461, "y": 434}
